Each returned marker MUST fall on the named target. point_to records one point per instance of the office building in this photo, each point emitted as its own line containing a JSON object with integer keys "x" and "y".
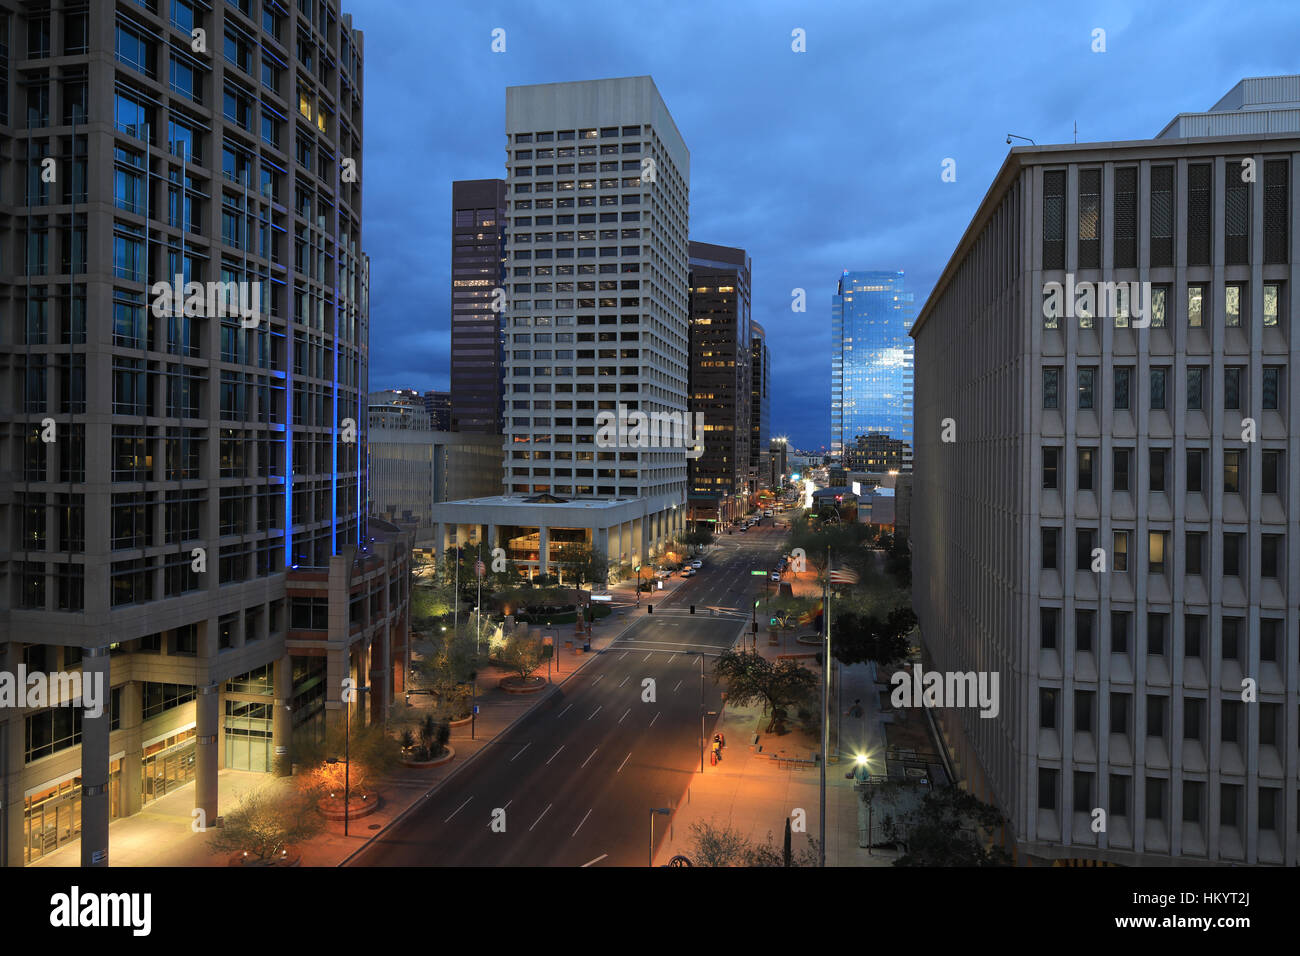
{"x": 871, "y": 358}
{"x": 597, "y": 319}
{"x": 398, "y": 408}
{"x": 877, "y": 453}
{"x": 438, "y": 405}
{"x": 760, "y": 410}
{"x": 173, "y": 470}
{"x": 478, "y": 230}
{"x": 779, "y": 463}
{"x": 1103, "y": 490}
{"x": 720, "y": 385}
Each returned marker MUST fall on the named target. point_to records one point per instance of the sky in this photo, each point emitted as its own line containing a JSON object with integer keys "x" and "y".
{"x": 815, "y": 162}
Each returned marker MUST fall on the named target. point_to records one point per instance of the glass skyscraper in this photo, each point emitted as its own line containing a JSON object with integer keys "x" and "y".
{"x": 871, "y": 358}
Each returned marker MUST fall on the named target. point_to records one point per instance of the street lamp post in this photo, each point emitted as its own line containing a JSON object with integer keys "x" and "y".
{"x": 666, "y": 812}
{"x": 347, "y": 759}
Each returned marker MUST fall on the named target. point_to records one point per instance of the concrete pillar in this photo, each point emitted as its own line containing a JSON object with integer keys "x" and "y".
{"x": 12, "y": 733}
{"x": 95, "y": 807}
{"x": 206, "y": 718}
{"x": 133, "y": 758}
{"x": 544, "y": 541}
{"x": 282, "y": 718}
{"x": 490, "y": 544}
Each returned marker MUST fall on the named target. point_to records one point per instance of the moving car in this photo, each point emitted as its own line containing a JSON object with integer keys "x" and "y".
{"x": 688, "y": 572}
{"x": 776, "y": 575}
{"x": 697, "y": 564}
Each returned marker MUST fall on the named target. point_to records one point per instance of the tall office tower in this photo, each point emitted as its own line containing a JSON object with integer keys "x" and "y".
{"x": 760, "y": 407}
{"x": 400, "y": 409}
{"x": 871, "y": 358}
{"x": 478, "y": 230}
{"x": 597, "y": 322}
{"x": 719, "y": 380}
{"x": 438, "y": 405}
{"x": 1103, "y": 490}
{"x": 169, "y": 458}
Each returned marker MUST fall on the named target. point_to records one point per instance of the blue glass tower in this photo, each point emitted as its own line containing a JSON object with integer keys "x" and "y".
{"x": 871, "y": 358}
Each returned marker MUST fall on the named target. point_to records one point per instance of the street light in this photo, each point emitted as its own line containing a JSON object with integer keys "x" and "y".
{"x": 473, "y": 698}
{"x": 347, "y": 759}
{"x": 666, "y": 812}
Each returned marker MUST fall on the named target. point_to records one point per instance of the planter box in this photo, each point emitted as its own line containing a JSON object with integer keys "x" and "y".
{"x": 516, "y": 688}
{"x": 425, "y": 764}
{"x": 355, "y": 811}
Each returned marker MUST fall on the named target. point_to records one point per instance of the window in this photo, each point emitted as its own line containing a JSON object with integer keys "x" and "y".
{"x": 1232, "y": 472}
{"x": 1120, "y": 562}
{"x": 1271, "y": 463}
{"x": 1159, "y": 376}
{"x": 1270, "y": 639}
{"x": 1159, "y": 457}
{"x": 1087, "y": 383}
{"x": 1089, "y": 218}
{"x": 1195, "y": 544}
{"x": 1231, "y": 554}
{"x": 1157, "y": 628}
{"x": 1087, "y": 466}
{"x": 1233, "y": 294}
{"x": 1157, "y": 708}
{"x": 1051, "y": 466}
{"x": 1195, "y": 306}
{"x": 1272, "y": 297}
{"x": 1195, "y": 388}
{"x": 1270, "y": 555}
{"x": 1047, "y": 707}
{"x": 1156, "y": 551}
{"x": 1123, "y": 376}
{"x": 1119, "y": 627}
{"x": 1232, "y": 388}
{"x": 1051, "y": 541}
{"x": 1272, "y": 387}
{"x": 1123, "y": 457}
{"x": 1083, "y": 720}
{"x": 1125, "y": 217}
{"x": 1195, "y": 469}
{"x": 1048, "y": 623}
{"x": 1047, "y": 788}
{"x": 1084, "y": 622}
{"x": 1051, "y": 387}
{"x": 1158, "y": 308}
{"x": 1162, "y": 215}
{"x": 1083, "y": 548}
{"x": 1054, "y": 219}
{"x": 1199, "y": 213}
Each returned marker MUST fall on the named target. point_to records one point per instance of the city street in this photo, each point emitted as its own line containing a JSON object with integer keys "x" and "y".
{"x": 574, "y": 782}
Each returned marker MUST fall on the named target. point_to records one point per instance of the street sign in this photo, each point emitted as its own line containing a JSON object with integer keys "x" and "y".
{"x": 759, "y": 573}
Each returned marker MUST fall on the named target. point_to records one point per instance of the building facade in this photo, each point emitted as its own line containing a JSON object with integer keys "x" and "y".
{"x": 438, "y": 405}
{"x": 173, "y": 457}
{"x": 760, "y": 409}
{"x": 1105, "y": 485}
{"x": 398, "y": 409}
{"x": 871, "y": 358}
{"x": 478, "y": 231}
{"x": 720, "y": 386}
{"x": 878, "y": 453}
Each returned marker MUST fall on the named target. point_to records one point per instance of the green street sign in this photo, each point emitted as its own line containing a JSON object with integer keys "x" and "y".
{"x": 758, "y": 573}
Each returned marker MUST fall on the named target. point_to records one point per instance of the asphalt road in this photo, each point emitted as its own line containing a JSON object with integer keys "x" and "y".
{"x": 573, "y": 783}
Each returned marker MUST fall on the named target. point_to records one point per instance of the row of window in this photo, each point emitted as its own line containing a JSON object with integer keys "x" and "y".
{"x": 1268, "y": 563}
{"x": 1198, "y": 378}
{"x": 1122, "y": 309}
{"x": 1196, "y": 639}
{"x": 1158, "y": 471}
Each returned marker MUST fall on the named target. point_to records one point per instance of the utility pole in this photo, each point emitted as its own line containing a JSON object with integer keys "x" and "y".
{"x": 826, "y": 696}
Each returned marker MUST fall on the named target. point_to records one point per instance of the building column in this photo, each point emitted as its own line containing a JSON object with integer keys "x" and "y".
{"x": 95, "y": 807}
{"x": 133, "y": 760}
{"x": 600, "y": 544}
{"x": 12, "y": 734}
{"x": 282, "y": 717}
{"x": 381, "y": 678}
{"x": 491, "y": 543}
{"x": 206, "y": 718}
{"x": 544, "y": 543}
{"x": 439, "y": 542}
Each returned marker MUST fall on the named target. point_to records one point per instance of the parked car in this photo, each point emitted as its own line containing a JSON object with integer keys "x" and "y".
{"x": 767, "y": 513}
{"x": 688, "y": 572}
{"x": 776, "y": 575}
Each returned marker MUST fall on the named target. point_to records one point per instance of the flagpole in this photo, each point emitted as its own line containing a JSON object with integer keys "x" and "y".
{"x": 826, "y": 719}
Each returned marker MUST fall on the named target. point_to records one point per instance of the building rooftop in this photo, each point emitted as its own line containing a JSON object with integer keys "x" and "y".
{"x": 1257, "y": 104}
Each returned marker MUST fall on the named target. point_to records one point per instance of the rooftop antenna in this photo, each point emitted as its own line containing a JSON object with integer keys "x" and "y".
{"x": 1076, "y": 131}
{"x": 1011, "y": 136}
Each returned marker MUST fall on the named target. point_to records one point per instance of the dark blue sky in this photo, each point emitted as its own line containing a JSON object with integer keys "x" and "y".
{"x": 815, "y": 162}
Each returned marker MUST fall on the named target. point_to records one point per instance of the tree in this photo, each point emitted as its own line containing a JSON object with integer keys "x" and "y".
{"x": 713, "y": 845}
{"x": 447, "y": 661}
{"x": 899, "y": 560}
{"x": 752, "y": 678}
{"x": 265, "y": 824}
{"x": 371, "y": 751}
{"x": 861, "y": 637}
{"x": 767, "y": 854}
{"x": 522, "y": 655}
{"x": 950, "y": 827}
{"x": 697, "y": 538}
{"x": 582, "y": 564}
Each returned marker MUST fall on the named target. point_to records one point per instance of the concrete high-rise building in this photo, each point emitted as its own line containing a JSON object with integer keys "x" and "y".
{"x": 1104, "y": 485}
{"x": 871, "y": 358}
{"x": 760, "y": 408}
{"x": 438, "y": 405}
{"x": 398, "y": 409}
{"x": 597, "y": 324}
{"x": 720, "y": 380}
{"x": 878, "y": 453}
{"x": 183, "y": 487}
{"x": 478, "y": 231}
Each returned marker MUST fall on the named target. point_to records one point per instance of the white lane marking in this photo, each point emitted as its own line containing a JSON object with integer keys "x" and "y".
{"x": 539, "y": 819}
{"x": 679, "y": 684}
{"x": 598, "y": 680}
{"x": 654, "y": 718}
{"x": 647, "y": 657}
{"x": 521, "y": 750}
{"x": 506, "y": 807}
{"x": 625, "y": 713}
{"x": 563, "y": 712}
{"x": 597, "y": 860}
{"x": 457, "y": 810}
{"x": 625, "y": 760}
{"x": 588, "y": 760}
{"x": 625, "y": 653}
{"x": 596, "y": 711}
{"x": 671, "y": 656}
{"x": 554, "y": 755}
{"x": 625, "y": 680}
{"x": 579, "y": 826}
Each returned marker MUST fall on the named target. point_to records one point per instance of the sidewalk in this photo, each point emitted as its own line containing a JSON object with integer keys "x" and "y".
{"x": 755, "y": 794}
{"x": 161, "y": 834}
